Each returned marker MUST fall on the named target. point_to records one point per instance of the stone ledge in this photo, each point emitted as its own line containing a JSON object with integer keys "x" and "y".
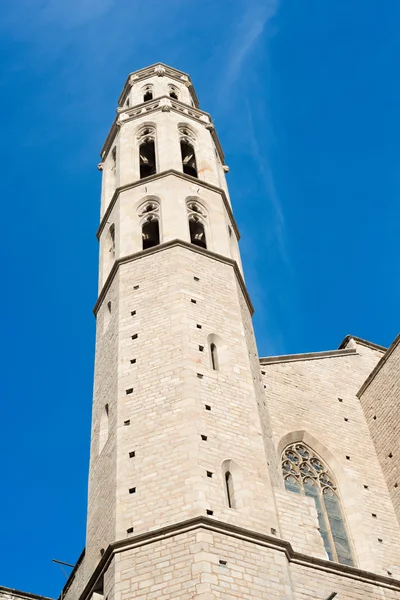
{"x": 200, "y": 182}
{"x": 308, "y": 356}
{"x": 166, "y": 246}
{"x": 12, "y": 592}
{"x": 247, "y": 535}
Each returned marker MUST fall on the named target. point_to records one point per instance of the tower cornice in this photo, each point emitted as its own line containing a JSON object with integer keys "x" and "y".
{"x": 160, "y": 70}
{"x": 166, "y": 246}
{"x": 146, "y": 180}
{"x": 160, "y": 104}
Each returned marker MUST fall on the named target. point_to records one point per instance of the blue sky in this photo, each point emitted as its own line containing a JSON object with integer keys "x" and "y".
{"x": 305, "y": 99}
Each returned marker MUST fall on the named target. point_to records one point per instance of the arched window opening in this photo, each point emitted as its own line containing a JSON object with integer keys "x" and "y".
{"x": 214, "y": 357}
{"x": 173, "y": 92}
{"x": 197, "y": 232}
{"x": 147, "y": 93}
{"x": 230, "y": 495}
{"x": 150, "y": 232}
{"x": 305, "y": 473}
{"x": 147, "y": 159}
{"x": 188, "y": 159}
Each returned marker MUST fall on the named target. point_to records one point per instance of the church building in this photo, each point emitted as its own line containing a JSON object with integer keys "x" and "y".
{"x": 216, "y": 474}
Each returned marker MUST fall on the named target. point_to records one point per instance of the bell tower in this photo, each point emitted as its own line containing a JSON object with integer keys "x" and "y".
{"x": 176, "y": 433}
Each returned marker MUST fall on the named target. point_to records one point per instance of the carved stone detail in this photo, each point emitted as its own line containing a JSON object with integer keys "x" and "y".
{"x": 159, "y": 70}
{"x": 100, "y": 166}
{"x": 225, "y": 168}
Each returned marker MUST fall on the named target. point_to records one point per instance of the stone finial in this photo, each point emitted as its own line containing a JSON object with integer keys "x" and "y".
{"x": 225, "y": 168}
{"x": 210, "y": 126}
{"x": 165, "y": 105}
{"x": 100, "y": 166}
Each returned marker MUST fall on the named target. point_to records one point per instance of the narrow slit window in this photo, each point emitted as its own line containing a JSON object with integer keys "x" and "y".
{"x": 214, "y": 357}
{"x": 147, "y": 158}
{"x": 229, "y": 489}
{"x": 188, "y": 159}
{"x": 147, "y": 94}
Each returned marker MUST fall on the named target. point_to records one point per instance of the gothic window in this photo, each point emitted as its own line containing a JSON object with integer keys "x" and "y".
{"x": 188, "y": 159}
{"x": 187, "y": 139}
{"x": 305, "y": 473}
{"x": 150, "y": 225}
{"x": 147, "y": 152}
{"x": 147, "y": 93}
{"x": 197, "y": 230}
{"x": 173, "y": 92}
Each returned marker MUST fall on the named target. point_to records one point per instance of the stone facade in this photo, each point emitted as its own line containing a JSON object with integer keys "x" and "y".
{"x": 187, "y": 498}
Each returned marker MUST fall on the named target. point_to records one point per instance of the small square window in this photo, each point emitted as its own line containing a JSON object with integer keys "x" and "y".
{"x": 135, "y": 336}
{"x": 193, "y": 301}
{"x": 207, "y": 406}
{"x": 129, "y": 530}
{"x": 196, "y": 278}
{"x": 198, "y": 326}
{"x": 129, "y": 391}
{"x": 201, "y": 348}
{"x": 133, "y": 313}
{"x": 200, "y": 375}
{"x": 135, "y": 287}
{"x": 209, "y": 512}
{"x": 204, "y": 438}
{"x": 132, "y": 490}
{"x": 132, "y": 454}
{"x": 209, "y": 474}
{"x": 128, "y": 422}
{"x": 133, "y": 361}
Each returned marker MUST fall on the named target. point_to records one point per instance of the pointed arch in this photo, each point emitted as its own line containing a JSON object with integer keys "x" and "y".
{"x": 148, "y": 93}
{"x": 305, "y": 472}
{"x": 188, "y": 153}
{"x": 197, "y": 223}
{"x": 147, "y": 150}
{"x": 149, "y": 215}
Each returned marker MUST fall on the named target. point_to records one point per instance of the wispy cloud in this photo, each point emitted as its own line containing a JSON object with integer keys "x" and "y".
{"x": 252, "y": 26}
{"x": 279, "y": 229}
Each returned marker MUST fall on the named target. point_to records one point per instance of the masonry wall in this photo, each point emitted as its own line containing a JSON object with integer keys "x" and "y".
{"x": 164, "y": 395}
{"x": 315, "y": 401}
{"x": 100, "y": 531}
{"x": 208, "y": 565}
{"x": 380, "y": 401}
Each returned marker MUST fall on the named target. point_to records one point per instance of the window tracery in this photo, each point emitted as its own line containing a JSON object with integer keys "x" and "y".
{"x": 147, "y": 151}
{"x": 196, "y": 217}
{"x": 149, "y": 212}
{"x": 305, "y": 473}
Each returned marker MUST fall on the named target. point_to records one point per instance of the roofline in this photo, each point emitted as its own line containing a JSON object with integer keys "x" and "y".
{"x": 379, "y": 366}
{"x": 14, "y": 592}
{"x": 362, "y": 342}
{"x": 308, "y": 356}
{"x": 126, "y": 87}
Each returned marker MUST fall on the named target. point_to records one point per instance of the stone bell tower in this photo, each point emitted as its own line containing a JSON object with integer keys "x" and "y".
{"x": 176, "y": 434}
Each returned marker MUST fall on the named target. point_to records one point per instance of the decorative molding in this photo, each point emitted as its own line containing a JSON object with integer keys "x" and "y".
{"x": 268, "y": 360}
{"x": 167, "y": 246}
{"x": 145, "y": 180}
{"x": 159, "y": 70}
{"x": 139, "y": 110}
{"x": 240, "y": 533}
{"x": 149, "y": 72}
{"x": 10, "y": 592}
{"x": 100, "y": 166}
{"x": 225, "y": 168}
